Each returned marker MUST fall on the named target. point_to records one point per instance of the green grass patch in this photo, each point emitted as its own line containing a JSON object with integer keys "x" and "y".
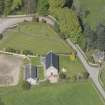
{"x": 102, "y": 77}
{"x": 41, "y": 73}
{"x": 72, "y": 67}
{"x": 35, "y": 61}
{"x": 78, "y": 93}
{"x": 37, "y": 37}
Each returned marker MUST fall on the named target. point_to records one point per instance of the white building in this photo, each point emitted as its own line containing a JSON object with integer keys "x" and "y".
{"x": 52, "y": 67}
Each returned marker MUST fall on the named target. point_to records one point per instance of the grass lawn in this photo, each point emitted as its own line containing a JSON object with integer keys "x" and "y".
{"x": 78, "y": 93}
{"x": 72, "y": 67}
{"x": 35, "y": 60}
{"x": 96, "y": 9}
{"x": 37, "y": 37}
{"x": 41, "y": 73}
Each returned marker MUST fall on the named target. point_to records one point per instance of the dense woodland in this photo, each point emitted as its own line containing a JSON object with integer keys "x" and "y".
{"x": 13, "y": 6}
{"x": 69, "y": 14}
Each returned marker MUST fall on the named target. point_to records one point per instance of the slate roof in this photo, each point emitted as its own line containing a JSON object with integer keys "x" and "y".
{"x": 30, "y": 72}
{"x": 27, "y": 71}
{"x": 34, "y": 72}
{"x": 52, "y": 60}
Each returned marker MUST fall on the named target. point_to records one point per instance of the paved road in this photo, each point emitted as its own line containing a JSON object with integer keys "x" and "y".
{"x": 93, "y": 71}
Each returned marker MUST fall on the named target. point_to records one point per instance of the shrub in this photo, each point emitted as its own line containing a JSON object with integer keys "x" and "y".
{"x": 26, "y": 85}
{"x": 74, "y": 78}
{"x": 10, "y": 50}
{"x": 43, "y": 21}
{"x": 63, "y": 36}
{"x": 77, "y": 77}
{"x": 42, "y": 7}
{"x": 35, "y": 19}
{"x": 27, "y": 52}
{"x": 25, "y": 21}
{"x": 62, "y": 75}
{"x": 1, "y": 36}
{"x": 85, "y": 75}
{"x": 18, "y": 51}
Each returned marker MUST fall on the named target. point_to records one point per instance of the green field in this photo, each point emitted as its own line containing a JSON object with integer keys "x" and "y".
{"x": 37, "y": 37}
{"x": 78, "y": 93}
{"x": 96, "y": 9}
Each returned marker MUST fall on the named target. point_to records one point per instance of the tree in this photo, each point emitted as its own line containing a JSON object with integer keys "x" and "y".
{"x": 27, "y": 52}
{"x": 1, "y": 7}
{"x": 16, "y": 4}
{"x": 68, "y": 3}
{"x": 54, "y": 4}
{"x": 43, "y": 7}
{"x": 68, "y": 23}
{"x": 26, "y": 85}
{"x": 90, "y": 37}
{"x": 30, "y": 6}
{"x": 100, "y": 31}
{"x": 63, "y": 75}
{"x": 7, "y": 6}
{"x": 85, "y": 75}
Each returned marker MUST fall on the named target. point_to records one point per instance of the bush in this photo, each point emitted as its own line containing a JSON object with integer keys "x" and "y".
{"x": 63, "y": 36}
{"x": 18, "y": 51}
{"x": 43, "y": 21}
{"x": 77, "y": 77}
{"x": 73, "y": 78}
{"x": 27, "y": 52}
{"x": 62, "y": 75}
{"x": 35, "y": 19}
{"x": 12, "y": 50}
{"x": 1, "y": 36}
{"x": 85, "y": 75}
{"x": 42, "y": 7}
{"x": 26, "y": 85}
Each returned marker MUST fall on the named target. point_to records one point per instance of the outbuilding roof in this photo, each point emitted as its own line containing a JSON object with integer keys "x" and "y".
{"x": 30, "y": 71}
{"x": 34, "y": 73}
{"x": 52, "y": 60}
{"x": 27, "y": 71}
